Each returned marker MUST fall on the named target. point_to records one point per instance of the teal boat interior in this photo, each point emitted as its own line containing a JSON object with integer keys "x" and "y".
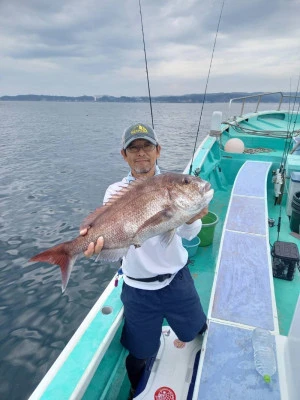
{"x": 233, "y": 274}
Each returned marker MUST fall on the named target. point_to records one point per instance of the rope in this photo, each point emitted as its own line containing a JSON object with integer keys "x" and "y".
{"x": 279, "y": 134}
{"x": 257, "y": 150}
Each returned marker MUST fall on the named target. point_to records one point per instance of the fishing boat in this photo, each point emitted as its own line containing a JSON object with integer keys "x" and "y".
{"x": 245, "y": 270}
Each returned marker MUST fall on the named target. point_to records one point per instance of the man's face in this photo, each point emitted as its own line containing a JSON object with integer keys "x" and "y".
{"x": 141, "y": 156}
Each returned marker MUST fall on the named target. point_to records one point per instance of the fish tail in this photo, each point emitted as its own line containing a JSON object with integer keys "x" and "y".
{"x": 58, "y": 255}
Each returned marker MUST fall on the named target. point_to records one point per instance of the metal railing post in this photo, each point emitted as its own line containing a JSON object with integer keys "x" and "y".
{"x": 258, "y": 103}
{"x": 280, "y": 102}
{"x": 259, "y": 97}
{"x": 242, "y": 110}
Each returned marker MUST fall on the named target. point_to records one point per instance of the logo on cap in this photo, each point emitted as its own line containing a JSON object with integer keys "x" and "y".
{"x": 138, "y": 129}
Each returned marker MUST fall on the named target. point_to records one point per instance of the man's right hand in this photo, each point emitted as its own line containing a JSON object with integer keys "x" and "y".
{"x": 92, "y": 249}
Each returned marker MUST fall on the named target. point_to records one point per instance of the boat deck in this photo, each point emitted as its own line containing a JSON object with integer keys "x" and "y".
{"x": 242, "y": 296}
{"x": 243, "y": 293}
{"x": 228, "y": 370}
{"x": 203, "y": 269}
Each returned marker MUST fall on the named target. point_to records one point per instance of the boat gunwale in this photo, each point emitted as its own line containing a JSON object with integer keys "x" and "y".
{"x": 63, "y": 357}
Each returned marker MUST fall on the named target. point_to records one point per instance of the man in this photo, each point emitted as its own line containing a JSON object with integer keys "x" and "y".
{"x": 157, "y": 281}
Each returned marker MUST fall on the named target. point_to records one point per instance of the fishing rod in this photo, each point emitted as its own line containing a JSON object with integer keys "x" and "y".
{"x": 285, "y": 152}
{"x": 146, "y": 63}
{"x": 279, "y": 175}
{"x": 289, "y": 133}
{"x": 204, "y": 97}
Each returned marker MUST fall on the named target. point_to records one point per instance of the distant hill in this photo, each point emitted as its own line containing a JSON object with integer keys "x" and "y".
{"x": 41, "y": 97}
{"x": 187, "y": 98}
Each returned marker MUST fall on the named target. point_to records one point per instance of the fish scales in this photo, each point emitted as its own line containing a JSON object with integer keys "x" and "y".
{"x": 134, "y": 208}
{"x": 146, "y": 208}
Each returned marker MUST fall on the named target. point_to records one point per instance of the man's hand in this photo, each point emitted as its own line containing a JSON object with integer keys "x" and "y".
{"x": 92, "y": 249}
{"x": 201, "y": 214}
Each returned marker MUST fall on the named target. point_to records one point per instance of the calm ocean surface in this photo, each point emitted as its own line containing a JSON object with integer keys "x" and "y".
{"x": 56, "y": 161}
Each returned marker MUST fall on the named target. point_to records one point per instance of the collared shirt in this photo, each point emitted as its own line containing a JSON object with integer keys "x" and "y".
{"x": 154, "y": 257}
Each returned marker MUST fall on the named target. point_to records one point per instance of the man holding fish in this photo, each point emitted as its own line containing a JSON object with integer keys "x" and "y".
{"x": 157, "y": 281}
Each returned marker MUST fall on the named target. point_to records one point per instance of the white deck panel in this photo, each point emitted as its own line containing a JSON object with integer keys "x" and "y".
{"x": 229, "y": 371}
{"x": 243, "y": 291}
{"x": 242, "y": 296}
{"x": 250, "y": 180}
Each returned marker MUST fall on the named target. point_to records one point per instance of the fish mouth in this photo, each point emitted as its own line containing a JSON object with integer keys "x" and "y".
{"x": 207, "y": 187}
{"x": 209, "y": 194}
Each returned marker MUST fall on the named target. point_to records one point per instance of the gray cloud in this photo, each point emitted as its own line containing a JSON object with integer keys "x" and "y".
{"x": 74, "y": 48}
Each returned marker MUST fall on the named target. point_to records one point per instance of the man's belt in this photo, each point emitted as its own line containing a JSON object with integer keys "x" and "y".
{"x": 159, "y": 278}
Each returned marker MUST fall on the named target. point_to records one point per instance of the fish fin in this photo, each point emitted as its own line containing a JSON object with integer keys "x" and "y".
{"x": 123, "y": 190}
{"x": 111, "y": 254}
{"x": 58, "y": 255}
{"x": 167, "y": 237}
{"x": 89, "y": 220}
{"x": 156, "y": 219}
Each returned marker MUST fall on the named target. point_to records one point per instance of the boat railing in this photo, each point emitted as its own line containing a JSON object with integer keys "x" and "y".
{"x": 244, "y": 99}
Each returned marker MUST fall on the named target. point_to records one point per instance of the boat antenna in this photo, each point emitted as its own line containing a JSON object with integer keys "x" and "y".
{"x": 146, "y": 63}
{"x": 204, "y": 97}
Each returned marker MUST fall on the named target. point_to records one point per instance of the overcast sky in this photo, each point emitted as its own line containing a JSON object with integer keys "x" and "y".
{"x": 94, "y": 47}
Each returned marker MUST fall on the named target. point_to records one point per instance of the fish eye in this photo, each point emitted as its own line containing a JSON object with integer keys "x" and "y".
{"x": 186, "y": 180}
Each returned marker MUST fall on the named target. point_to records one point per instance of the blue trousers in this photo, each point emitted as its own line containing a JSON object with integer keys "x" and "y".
{"x": 145, "y": 310}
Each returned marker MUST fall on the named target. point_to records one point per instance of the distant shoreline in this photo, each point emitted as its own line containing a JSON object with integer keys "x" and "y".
{"x": 188, "y": 98}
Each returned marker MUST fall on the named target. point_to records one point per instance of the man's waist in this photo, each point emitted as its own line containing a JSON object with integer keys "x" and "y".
{"x": 159, "y": 278}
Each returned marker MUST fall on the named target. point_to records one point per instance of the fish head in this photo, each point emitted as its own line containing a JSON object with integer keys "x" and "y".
{"x": 190, "y": 193}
